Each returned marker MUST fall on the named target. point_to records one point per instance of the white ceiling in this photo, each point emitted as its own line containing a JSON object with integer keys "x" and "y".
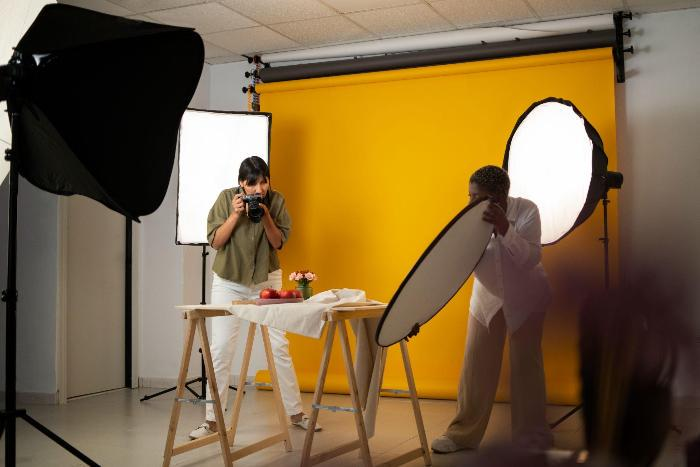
{"x": 232, "y": 28}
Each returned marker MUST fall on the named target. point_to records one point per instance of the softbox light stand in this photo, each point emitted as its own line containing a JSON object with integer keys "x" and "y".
{"x": 94, "y": 103}
{"x": 537, "y": 165}
{"x": 9, "y": 416}
{"x": 612, "y": 180}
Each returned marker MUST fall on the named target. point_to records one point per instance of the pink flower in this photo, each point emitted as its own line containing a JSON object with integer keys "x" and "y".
{"x": 303, "y": 276}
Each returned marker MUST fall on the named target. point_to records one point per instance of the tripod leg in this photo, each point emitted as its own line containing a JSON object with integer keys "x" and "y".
{"x": 58, "y": 440}
{"x": 565, "y": 417}
{"x": 159, "y": 393}
{"x": 203, "y": 373}
{"x": 2, "y": 425}
{"x": 192, "y": 391}
{"x": 164, "y": 391}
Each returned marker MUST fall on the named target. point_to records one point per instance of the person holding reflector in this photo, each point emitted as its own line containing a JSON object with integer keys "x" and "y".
{"x": 246, "y": 262}
{"x": 510, "y": 294}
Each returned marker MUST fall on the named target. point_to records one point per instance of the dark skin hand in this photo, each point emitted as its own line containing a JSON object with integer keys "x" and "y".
{"x": 496, "y": 211}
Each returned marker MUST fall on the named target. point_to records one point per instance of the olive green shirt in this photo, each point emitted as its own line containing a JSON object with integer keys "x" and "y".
{"x": 247, "y": 257}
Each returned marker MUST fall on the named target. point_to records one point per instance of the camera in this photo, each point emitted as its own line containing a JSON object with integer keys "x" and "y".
{"x": 255, "y": 211}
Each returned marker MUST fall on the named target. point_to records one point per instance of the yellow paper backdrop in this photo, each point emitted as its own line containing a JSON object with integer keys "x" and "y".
{"x": 374, "y": 165}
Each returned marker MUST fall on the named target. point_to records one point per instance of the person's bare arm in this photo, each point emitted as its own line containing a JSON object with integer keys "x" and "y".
{"x": 223, "y": 233}
{"x": 273, "y": 233}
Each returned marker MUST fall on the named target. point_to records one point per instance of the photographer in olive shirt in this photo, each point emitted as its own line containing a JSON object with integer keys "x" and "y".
{"x": 247, "y": 232}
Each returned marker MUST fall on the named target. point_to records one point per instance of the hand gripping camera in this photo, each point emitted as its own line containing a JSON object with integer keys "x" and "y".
{"x": 255, "y": 211}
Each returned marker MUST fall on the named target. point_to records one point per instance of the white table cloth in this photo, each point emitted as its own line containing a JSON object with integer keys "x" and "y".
{"x": 305, "y": 318}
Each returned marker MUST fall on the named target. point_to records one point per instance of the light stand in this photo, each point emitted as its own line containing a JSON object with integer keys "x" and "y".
{"x": 203, "y": 377}
{"x": 9, "y": 416}
{"x": 612, "y": 180}
{"x": 70, "y": 92}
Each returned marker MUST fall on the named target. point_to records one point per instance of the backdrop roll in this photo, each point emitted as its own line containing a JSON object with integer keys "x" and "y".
{"x": 374, "y": 165}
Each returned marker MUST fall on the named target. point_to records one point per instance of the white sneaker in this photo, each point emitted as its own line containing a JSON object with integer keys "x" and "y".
{"x": 201, "y": 431}
{"x": 444, "y": 445}
{"x": 305, "y": 422}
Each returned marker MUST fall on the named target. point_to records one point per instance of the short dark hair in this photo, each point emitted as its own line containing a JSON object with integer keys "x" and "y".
{"x": 492, "y": 178}
{"x": 252, "y": 169}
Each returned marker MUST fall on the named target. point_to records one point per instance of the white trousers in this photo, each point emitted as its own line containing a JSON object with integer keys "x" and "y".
{"x": 479, "y": 380}
{"x": 224, "y": 338}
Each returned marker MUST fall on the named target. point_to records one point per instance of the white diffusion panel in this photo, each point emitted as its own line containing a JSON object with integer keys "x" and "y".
{"x": 212, "y": 146}
{"x": 438, "y": 275}
{"x": 549, "y": 163}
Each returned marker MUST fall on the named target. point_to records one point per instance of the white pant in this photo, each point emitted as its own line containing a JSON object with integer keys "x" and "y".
{"x": 224, "y": 337}
{"x": 479, "y": 380}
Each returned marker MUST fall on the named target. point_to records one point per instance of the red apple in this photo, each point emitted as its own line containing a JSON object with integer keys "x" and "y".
{"x": 287, "y": 294}
{"x": 269, "y": 293}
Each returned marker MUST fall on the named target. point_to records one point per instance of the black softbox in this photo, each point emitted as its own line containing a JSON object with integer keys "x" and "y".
{"x": 99, "y": 105}
{"x": 95, "y": 103}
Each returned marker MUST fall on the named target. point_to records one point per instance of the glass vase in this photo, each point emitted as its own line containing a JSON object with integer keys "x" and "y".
{"x": 306, "y": 291}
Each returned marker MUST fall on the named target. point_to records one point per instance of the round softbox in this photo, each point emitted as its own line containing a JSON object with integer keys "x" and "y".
{"x": 555, "y": 158}
{"x": 438, "y": 275}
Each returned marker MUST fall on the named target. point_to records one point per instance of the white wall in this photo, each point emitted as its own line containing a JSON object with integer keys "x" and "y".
{"x": 37, "y": 277}
{"x": 37, "y": 245}
{"x": 166, "y": 279}
{"x": 170, "y": 274}
{"x": 225, "y": 86}
{"x": 658, "y": 112}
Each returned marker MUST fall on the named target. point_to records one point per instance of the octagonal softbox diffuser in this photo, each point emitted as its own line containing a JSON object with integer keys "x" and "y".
{"x": 99, "y": 105}
{"x": 555, "y": 158}
{"x": 438, "y": 275}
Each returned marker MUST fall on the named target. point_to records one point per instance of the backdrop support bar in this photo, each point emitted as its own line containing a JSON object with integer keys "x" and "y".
{"x": 484, "y": 51}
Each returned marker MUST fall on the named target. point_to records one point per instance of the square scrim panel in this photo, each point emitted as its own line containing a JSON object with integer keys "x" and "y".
{"x": 211, "y": 147}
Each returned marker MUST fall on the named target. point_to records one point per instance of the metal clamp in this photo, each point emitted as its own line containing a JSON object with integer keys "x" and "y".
{"x": 619, "y": 49}
{"x": 195, "y": 401}
{"x": 259, "y": 385}
{"x": 333, "y": 408}
{"x": 10, "y": 296}
{"x": 395, "y": 391}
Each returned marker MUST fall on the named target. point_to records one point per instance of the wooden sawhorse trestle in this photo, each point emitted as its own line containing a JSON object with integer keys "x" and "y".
{"x": 336, "y": 319}
{"x": 195, "y": 319}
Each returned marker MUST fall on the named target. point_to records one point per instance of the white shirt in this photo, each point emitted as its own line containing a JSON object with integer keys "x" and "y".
{"x": 510, "y": 274}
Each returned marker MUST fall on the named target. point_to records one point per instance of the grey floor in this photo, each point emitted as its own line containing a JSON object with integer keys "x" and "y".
{"x": 115, "y": 429}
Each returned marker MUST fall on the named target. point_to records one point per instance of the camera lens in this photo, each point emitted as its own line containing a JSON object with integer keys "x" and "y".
{"x": 255, "y": 212}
